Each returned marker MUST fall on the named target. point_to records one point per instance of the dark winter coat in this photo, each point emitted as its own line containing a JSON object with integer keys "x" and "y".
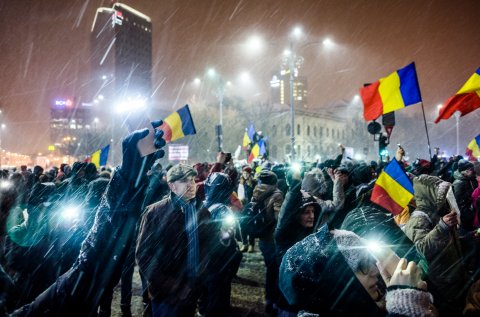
{"x": 463, "y": 188}
{"x": 102, "y": 255}
{"x": 289, "y": 230}
{"x": 161, "y": 251}
{"x": 271, "y": 198}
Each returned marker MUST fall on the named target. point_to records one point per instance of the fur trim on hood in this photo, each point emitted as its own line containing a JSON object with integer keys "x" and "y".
{"x": 430, "y": 195}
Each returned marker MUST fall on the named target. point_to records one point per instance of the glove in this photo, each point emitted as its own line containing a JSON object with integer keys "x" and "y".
{"x": 134, "y": 168}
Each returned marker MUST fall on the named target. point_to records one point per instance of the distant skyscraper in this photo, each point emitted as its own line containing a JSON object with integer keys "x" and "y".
{"x": 121, "y": 43}
{"x": 280, "y": 90}
{"x": 71, "y": 127}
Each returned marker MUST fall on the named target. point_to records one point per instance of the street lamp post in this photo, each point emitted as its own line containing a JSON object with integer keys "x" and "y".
{"x": 2, "y": 127}
{"x": 291, "y": 67}
{"x": 457, "y": 117}
{"x": 293, "y": 62}
{"x": 221, "y": 93}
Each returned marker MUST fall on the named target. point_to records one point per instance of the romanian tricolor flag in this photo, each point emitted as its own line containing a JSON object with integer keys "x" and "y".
{"x": 473, "y": 149}
{"x": 393, "y": 190}
{"x": 99, "y": 158}
{"x": 178, "y": 124}
{"x": 465, "y": 100}
{"x": 258, "y": 149}
{"x": 254, "y": 153}
{"x": 398, "y": 90}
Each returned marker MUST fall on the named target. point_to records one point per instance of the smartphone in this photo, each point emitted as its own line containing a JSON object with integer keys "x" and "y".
{"x": 387, "y": 259}
{"x": 146, "y": 145}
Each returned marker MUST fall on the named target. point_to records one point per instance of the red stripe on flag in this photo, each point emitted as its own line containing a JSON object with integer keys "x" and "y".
{"x": 250, "y": 158}
{"x": 381, "y": 198}
{"x": 372, "y": 102}
{"x": 167, "y": 132}
{"x": 465, "y": 103}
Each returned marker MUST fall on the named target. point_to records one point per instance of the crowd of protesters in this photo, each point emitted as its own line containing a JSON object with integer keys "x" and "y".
{"x": 70, "y": 234}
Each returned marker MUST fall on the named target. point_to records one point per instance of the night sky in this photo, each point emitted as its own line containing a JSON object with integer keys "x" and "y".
{"x": 45, "y": 54}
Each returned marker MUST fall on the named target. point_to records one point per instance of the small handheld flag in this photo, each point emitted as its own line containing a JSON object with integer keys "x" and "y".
{"x": 178, "y": 124}
{"x": 398, "y": 90}
{"x": 393, "y": 190}
{"x": 99, "y": 158}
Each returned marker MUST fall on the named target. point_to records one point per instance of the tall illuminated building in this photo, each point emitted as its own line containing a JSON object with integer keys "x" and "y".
{"x": 121, "y": 44}
{"x": 280, "y": 90}
{"x": 72, "y": 127}
{"x": 121, "y": 59}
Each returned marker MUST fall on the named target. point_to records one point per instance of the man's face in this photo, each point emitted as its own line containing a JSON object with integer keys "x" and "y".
{"x": 184, "y": 188}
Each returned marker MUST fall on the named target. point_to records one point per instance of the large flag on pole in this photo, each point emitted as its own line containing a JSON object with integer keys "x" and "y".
{"x": 465, "y": 100}
{"x": 393, "y": 190}
{"x": 473, "y": 149}
{"x": 178, "y": 124}
{"x": 398, "y": 90}
{"x": 99, "y": 158}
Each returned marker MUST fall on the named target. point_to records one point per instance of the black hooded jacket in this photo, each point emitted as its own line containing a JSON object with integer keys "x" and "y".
{"x": 289, "y": 230}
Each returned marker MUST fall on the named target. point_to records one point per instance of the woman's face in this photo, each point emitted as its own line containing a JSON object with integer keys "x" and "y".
{"x": 307, "y": 217}
{"x": 368, "y": 275}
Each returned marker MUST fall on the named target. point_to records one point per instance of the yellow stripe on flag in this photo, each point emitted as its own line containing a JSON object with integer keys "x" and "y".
{"x": 474, "y": 147}
{"x": 96, "y": 158}
{"x": 175, "y": 124}
{"x": 396, "y": 191}
{"x": 255, "y": 150}
{"x": 472, "y": 84}
{"x": 246, "y": 140}
{"x": 389, "y": 90}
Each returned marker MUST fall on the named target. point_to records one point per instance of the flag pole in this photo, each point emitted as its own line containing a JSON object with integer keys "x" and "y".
{"x": 423, "y": 111}
{"x": 426, "y": 130}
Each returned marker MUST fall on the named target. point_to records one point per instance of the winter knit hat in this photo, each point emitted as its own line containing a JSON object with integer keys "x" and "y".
{"x": 464, "y": 165}
{"x": 361, "y": 174}
{"x": 315, "y": 275}
{"x": 314, "y": 182}
{"x": 267, "y": 177}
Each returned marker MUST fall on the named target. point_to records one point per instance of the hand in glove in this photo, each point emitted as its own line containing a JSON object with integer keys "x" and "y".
{"x": 134, "y": 167}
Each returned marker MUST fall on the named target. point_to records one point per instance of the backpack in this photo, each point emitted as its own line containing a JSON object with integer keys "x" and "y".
{"x": 256, "y": 221}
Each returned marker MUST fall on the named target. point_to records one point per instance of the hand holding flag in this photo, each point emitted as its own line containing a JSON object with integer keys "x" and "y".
{"x": 393, "y": 190}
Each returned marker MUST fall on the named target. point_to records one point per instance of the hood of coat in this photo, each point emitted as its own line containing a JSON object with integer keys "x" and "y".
{"x": 460, "y": 176}
{"x": 431, "y": 195}
{"x": 317, "y": 274}
{"x": 263, "y": 191}
{"x": 314, "y": 182}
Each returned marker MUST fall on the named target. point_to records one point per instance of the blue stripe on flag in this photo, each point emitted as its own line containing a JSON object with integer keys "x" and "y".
{"x": 409, "y": 85}
{"x": 188, "y": 127}
{"x": 396, "y": 172}
{"x": 104, "y": 155}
